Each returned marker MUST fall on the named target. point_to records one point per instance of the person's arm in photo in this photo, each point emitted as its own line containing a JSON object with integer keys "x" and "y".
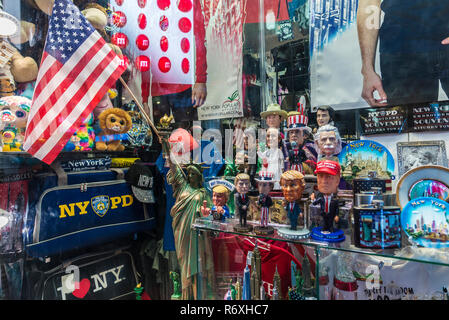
{"x": 368, "y": 24}
{"x": 199, "y": 90}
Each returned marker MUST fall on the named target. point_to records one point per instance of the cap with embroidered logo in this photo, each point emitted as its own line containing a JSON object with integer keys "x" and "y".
{"x": 328, "y": 166}
{"x": 140, "y": 178}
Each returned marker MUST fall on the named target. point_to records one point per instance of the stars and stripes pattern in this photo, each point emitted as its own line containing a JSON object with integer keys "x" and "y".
{"x": 296, "y": 166}
{"x": 265, "y": 176}
{"x": 297, "y": 121}
{"x": 264, "y": 213}
{"x": 77, "y": 69}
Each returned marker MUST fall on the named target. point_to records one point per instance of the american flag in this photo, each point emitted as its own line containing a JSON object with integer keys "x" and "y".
{"x": 77, "y": 69}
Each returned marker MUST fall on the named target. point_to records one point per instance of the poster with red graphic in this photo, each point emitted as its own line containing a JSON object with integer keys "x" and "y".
{"x": 157, "y": 35}
{"x": 224, "y": 21}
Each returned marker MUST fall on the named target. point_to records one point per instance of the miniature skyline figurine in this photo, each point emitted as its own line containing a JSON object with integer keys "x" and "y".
{"x": 246, "y": 288}
{"x": 276, "y": 285}
{"x": 308, "y": 287}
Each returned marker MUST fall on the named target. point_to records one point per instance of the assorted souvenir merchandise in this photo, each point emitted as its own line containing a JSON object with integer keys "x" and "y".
{"x": 130, "y": 170}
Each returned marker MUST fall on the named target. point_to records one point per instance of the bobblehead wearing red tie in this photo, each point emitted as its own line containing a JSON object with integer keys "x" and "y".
{"x": 328, "y": 178}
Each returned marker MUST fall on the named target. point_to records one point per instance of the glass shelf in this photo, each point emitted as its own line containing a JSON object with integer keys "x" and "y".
{"x": 408, "y": 253}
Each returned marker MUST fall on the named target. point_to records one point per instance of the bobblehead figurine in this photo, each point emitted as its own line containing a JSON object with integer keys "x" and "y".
{"x": 272, "y": 157}
{"x": 219, "y": 211}
{"x": 328, "y": 141}
{"x": 265, "y": 184}
{"x": 328, "y": 178}
{"x": 293, "y": 184}
{"x": 241, "y": 201}
{"x": 274, "y": 116}
{"x": 301, "y": 155}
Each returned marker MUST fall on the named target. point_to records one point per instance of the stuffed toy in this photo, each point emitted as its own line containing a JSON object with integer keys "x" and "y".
{"x": 84, "y": 138}
{"x": 10, "y": 140}
{"x": 113, "y": 122}
{"x": 13, "y": 120}
{"x": 140, "y": 135}
{"x": 17, "y": 69}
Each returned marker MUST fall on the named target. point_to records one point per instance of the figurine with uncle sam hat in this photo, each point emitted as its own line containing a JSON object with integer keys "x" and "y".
{"x": 265, "y": 182}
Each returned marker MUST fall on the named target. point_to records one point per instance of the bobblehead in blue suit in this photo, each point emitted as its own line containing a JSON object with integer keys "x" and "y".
{"x": 293, "y": 212}
{"x": 292, "y": 184}
{"x": 328, "y": 178}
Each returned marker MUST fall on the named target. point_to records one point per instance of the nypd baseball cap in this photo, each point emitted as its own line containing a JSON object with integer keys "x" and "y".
{"x": 328, "y": 166}
{"x": 141, "y": 179}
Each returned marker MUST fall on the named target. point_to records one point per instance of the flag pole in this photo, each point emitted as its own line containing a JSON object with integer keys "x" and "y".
{"x": 141, "y": 108}
{"x": 147, "y": 118}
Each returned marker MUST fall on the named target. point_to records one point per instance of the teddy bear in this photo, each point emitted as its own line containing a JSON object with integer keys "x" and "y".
{"x": 17, "y": 69}
{"x": 113, "y": 122}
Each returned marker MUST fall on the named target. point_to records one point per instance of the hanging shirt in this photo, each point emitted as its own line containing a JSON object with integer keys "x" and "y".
{"x": 230, "y": 254}
{"x": 159, "y": 89}
{"x": 413, "y": 25}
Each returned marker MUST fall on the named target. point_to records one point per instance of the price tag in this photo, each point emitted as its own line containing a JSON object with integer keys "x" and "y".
{"x": 6, "y": 53}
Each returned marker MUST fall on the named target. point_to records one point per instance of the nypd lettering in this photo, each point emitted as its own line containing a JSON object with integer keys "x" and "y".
{"x": 100, "y": 205}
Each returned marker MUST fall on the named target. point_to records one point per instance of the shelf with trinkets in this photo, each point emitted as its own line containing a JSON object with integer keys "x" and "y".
{"x": 369, "y": 214}
{"x": 344, "y": 270}
{"x": 204, "y": 224}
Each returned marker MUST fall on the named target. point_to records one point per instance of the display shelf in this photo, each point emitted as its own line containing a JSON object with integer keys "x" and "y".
{"x": 409, "y": 253}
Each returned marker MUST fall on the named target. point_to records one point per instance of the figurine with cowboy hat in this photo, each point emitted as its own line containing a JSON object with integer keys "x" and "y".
{"x": 274, "y": 115}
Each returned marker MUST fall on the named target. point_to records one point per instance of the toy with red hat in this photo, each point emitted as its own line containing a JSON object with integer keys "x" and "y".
{"x": 328, "y": 166}
{"x": 328, "y": 178}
